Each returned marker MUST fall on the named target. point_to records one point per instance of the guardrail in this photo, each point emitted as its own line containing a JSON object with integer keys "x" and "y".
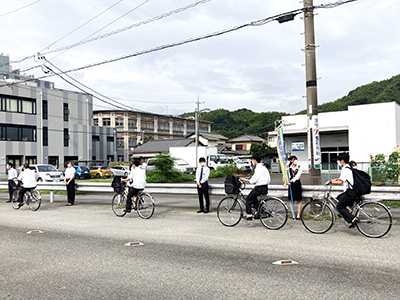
{"x": 309, "y": 191}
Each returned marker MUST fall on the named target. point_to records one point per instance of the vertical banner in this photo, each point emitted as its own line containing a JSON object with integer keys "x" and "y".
{"x": 282, "y": 155}
{"x": 309, "y": 142}
{"x": 316, "y": 143}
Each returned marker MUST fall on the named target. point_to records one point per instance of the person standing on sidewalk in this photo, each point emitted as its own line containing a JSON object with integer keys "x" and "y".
{"x": 202, "y": 174}
{"x": 11, "y": 174}
{"x": 69, "y": 179}
{"x": 295, "y": 190}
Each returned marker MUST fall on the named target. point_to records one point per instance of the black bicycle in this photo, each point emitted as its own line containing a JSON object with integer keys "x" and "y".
{"x": 272, "y": 211}
{"x": 144, "y": 203}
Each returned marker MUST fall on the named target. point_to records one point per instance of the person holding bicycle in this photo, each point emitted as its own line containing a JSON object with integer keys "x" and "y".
{"x": 136, "y": 182}
{"x": 261, "y": 179}
{"x": 27, "y": 177}
{"x": 348, "y": 197}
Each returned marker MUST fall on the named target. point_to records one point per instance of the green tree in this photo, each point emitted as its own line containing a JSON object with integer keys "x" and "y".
{"x": 263, "y": 150}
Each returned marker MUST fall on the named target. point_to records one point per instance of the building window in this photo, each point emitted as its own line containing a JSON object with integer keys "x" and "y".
{"x": 178, "y": 128}
{"x": 132, "y": 142}
{"x": 132, "y": 123}
{"x": 190, "y": 129}
{"x": 17, "y": 133}
{"x": 96, "y": 122}
{"x": 106, "y": 122}
{"x": 119, "y": 122}
{"x": 17, "y": 104}
{"x": 95, "y": 138}
{"x": 45, "y": 136}
{"x": 32, "y": 160}
{"x": 120, "y": 142}
{"x": 66, "y": 137}
{"x": 147, "y": 126}
{"x": 44, "y": 109}
{"x": 203, "y": 129}
{"x": 53, "y": 160}
{"x": 110, "y": 139}
{"x": 241, "y": 147}
{"x": 66, "y": 112}
{"x": 163, "y": 127}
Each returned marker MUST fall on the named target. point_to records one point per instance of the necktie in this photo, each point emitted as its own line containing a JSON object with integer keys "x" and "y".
{"x": 201, "y": 174}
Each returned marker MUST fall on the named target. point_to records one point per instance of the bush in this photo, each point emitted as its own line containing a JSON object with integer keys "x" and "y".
{"x": 170, "y": 177}
{"x": 224, "y": 171}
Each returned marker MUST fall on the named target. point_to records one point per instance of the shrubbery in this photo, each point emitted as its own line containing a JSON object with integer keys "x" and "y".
{"x": 224, "y": 171}
{"x": 386, "y": 170}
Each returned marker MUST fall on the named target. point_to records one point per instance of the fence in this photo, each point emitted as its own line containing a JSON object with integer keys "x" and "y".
{"x": 310, "y": 191}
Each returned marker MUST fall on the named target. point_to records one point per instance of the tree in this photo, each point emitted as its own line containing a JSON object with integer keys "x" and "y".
{"x": 263, "y": 150}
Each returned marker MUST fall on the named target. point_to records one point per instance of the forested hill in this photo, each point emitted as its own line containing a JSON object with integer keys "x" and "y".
{"x": 374, "y": 92}
{"x": 243, "y": 121}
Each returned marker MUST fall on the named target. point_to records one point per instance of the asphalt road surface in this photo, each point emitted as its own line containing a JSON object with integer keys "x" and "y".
{"x": 81, "y": 254}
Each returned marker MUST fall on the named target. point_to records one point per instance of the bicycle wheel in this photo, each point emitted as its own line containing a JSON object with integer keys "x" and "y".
{"x": 317, "y": 216}
{"x": 34, "y": 200}
{"x": 145, "y": 206}
{"x": 229, "y": 211}
{"x": 375, "y": 219}
{"x": 118, "y": 205}
{"x": 14, "y": 200}
{"x": 273, "y": 213}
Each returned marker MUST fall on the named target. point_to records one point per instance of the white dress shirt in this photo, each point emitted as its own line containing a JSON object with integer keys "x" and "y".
{"x": 12, "y": 173}
{"x": 138, "y": 178}
{"x": 261, "y": 175}
{"x": 298, "y": 174}
{"x": 69, "y": 173}
{"x": 28, "y": 178}
{"x": 206, "y": 173}
{"x": 347, "y": 177}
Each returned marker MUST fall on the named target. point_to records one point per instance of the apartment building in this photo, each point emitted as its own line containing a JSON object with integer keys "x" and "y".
{"x": 133, "y": 127}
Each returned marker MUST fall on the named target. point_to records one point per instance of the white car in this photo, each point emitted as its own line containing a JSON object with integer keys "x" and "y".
{"x": 46, "y": 173}
{"x": 120, "y": 171}
{"x": 241, "y": 164}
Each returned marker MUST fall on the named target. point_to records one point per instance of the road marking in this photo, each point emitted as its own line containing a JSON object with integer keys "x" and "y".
{"x": 134, "y": 244}
{"x": 285, "y": 262}
{"x": 34, "y": 231}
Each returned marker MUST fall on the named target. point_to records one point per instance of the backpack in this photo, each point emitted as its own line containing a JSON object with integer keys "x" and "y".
{"x": 232, "y": 184}
{"x": 117, "y": 184}
{"x": 362, "y": 182}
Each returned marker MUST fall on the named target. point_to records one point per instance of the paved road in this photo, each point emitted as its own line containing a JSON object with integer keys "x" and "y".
{"x": 81, "y": 255}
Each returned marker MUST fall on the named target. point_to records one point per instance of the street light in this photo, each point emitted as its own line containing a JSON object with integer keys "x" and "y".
{"x": 196, "y": 114}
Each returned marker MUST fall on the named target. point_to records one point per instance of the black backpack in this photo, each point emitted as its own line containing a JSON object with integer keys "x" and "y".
{"x": 362, "y": 182}
{"x": 232, "y": 184}
{"x": 117, "y": 184}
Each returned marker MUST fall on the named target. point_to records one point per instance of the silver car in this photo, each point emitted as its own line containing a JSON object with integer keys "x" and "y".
{"x": 120, "y": 171}
{"x": 46, "y": 173}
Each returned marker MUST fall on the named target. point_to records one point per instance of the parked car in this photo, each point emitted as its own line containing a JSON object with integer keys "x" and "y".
{"x": 240, "y": 164}
{"x": 179, "y": 165}
{"x": 82, "y": 172}
{"x": 120, "y": 171}
{"x": 46, "y": 173}
{"x": 100, "y": 172}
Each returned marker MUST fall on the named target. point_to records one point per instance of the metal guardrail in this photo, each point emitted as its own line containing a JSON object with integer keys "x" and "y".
{"x": 309, "y": 191}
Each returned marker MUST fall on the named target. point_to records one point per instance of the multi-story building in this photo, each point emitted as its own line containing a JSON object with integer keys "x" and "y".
{"x": 133, "y": 127}
{"x": 44, "y": 125}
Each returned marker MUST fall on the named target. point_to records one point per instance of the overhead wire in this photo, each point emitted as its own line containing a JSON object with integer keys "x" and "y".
{"x": 18, "y": 9}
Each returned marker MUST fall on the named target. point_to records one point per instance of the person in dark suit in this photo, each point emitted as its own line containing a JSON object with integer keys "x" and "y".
{"x": 202, "y": 174}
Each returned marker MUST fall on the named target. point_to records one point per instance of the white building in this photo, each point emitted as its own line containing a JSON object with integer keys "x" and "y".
{"x": 362, "y": 130}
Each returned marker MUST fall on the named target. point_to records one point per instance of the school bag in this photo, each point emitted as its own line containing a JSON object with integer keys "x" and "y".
{"x": 117, "y": 184}
{"x": 362, "y": 182}
{"x": 232, "y": 184}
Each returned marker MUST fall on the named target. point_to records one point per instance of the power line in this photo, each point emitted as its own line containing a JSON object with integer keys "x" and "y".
{"x": 15, "y": 10}
{"x": 87, "y": 40}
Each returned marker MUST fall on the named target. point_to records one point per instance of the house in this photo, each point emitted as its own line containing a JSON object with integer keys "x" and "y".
{"x": 242, "y": 144}
{"x": 154, "y": 147}
{"x": 210, "y": 139}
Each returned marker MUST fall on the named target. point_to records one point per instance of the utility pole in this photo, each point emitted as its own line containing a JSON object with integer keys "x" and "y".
{"x": 196, "y": 129}
{"x": 314, "y": 148}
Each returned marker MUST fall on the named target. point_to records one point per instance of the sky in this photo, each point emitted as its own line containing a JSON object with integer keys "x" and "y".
{"x": 260, "y": 68}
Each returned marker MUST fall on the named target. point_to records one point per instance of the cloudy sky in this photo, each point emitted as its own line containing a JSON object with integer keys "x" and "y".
{"x": 258, "y": 67}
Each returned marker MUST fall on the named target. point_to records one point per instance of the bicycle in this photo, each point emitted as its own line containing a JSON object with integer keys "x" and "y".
{"x": 318, "y": 216}
{"x": 31, "y": 198}
{"x": 272, "y": 211}
{"x": 144, "y": 203}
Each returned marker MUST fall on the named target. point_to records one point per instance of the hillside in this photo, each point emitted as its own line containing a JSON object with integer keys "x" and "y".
{"x": 374, "y": 92}
{"x": 235, "y": 123}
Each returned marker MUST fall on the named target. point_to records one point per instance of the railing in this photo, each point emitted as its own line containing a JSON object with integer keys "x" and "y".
{"x": 309, "y": 191}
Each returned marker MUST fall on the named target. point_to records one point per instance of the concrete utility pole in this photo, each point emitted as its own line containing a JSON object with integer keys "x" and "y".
{"x": 314, "y": 148}
{"x": 196, "y": 124}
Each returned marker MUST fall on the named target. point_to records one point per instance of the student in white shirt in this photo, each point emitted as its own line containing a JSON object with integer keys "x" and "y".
{"x": 11, "y": 174}
{"x": 69, "y": 179}
{"x": 27, "y": 177}
{"x": 202, "y": 174}
{"x": 348, "y": 197}
{"x": 295, "y": 190}
{"x": 260, "y": 179}
{"x": 137, "y": 183}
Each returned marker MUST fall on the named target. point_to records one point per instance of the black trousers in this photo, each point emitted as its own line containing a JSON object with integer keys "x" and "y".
{"x": 251, "y": 199}
{"x": 71, "y": 191}
{"x": 11, "y": 188}
{"x": 21, "y": 194}
{"x": 204, "y": 191}
{"x": 132, "y": 192}
{"x": 346, "y": 199}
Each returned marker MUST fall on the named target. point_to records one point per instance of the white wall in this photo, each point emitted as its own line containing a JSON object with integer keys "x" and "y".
{"x": 189, "y": 153}
{"x": 373, "y": 129}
